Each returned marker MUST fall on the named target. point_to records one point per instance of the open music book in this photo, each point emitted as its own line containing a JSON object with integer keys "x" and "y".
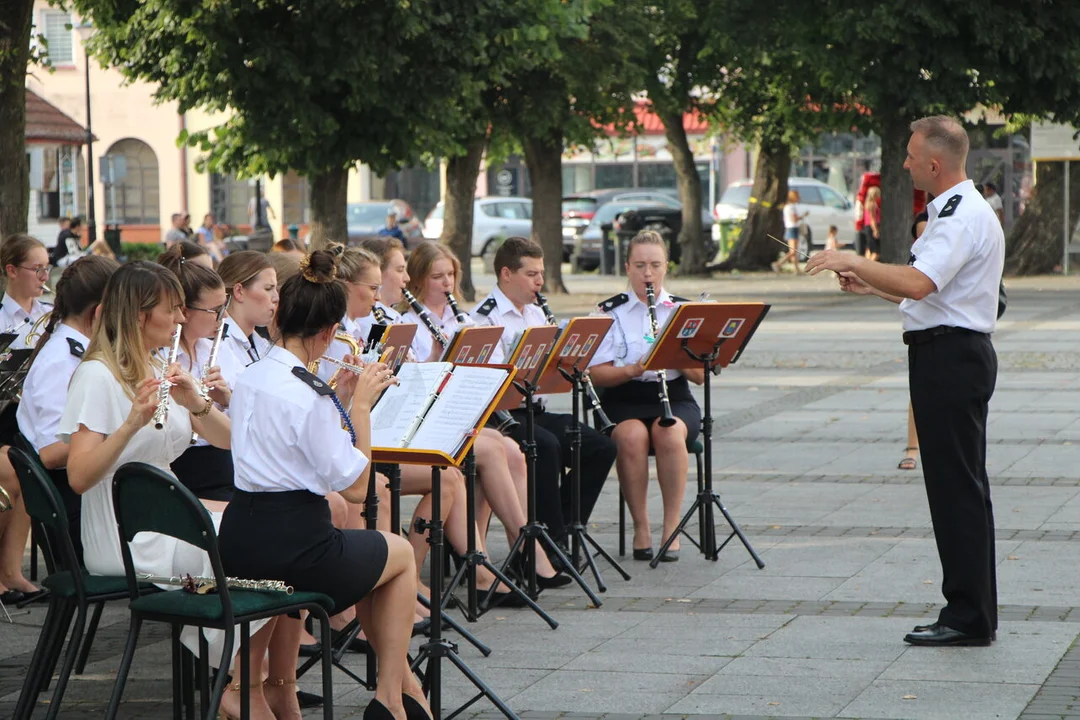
{"x": 435, "y": 406}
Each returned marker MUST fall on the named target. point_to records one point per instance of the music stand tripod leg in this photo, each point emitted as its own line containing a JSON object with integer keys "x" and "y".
{"x": 438, "y": 647}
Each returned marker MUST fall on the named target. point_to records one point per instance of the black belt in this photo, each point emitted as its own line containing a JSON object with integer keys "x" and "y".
{"x": 918, "y": 337}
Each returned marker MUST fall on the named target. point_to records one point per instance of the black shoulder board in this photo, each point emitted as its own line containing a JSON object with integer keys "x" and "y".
{"x": 911, "y": 259}
{"x": 312, "y": 381}
{"x": 950, "y": 207}
{"x": 676, "y": 298}
{"x": 487, "y": 306}
{"x": 225, "y": 331}
{"x": 76, "y": 347}
{"x": 613, "y": 302}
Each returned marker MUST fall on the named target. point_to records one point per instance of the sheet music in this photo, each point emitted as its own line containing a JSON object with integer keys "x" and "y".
{"x": 455, "y": 413}
{"x": 395, "y": 417}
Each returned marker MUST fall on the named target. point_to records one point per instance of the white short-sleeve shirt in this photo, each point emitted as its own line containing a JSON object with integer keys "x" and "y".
{"x": 423, "y": 339}
{"x": 630, "y": 335}
{"x": 46, "y": 385}
{"x": 240, "y": 350}
{"x": 285, "y": 435}
{"x": 497, "y": 309}
{"x": 97, "y": 401}
{"x": 14, "y": 319}
{"x": 962, "y": 251}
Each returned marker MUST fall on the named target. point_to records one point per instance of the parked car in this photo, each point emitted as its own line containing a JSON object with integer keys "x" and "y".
{"x": 578, "y": 209}
{"x": 368, "y": 218}
{"x": 494, "y": 218}
{"x": 588, "y": 243}
{"x": 823, "y": 204}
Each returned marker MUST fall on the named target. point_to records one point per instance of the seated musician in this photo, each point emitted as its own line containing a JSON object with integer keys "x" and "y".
{"x": 291, "y": 450}
{"x": 252, "y": 285}
{"x": 433, "y": 271}
{"x": 632, "y": 396}
{"x": 519, "y": 264}
{"x": 59, "y": 352}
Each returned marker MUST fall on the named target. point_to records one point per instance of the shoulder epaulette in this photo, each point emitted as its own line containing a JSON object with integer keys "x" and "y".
{"x": 487, "y": 306}
{"x": 76, "y": 347}
{"x": 225, "y": 331}
{"x": 676, "y": 298}
{"x": 312, "y": 381}
{"x": 613, "y": 302}
{"x": 950, "y": 207}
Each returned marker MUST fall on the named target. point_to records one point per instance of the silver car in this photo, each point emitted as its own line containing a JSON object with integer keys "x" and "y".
{"x": 494, "y": 218}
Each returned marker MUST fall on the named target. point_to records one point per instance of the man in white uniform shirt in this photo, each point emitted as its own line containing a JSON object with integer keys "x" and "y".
{"x": 948, "y": 297}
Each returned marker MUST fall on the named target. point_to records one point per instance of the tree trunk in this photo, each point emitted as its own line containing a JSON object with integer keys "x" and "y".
{"x": 457, "y": 231}
{"x": 691, "y": 236}
{"x": 897, "y": 192}
{"x": 755, "y": 250}
{"x": 329, "y": 195}
{"x": 543, "y": 156}
{"x": 15, "y": 175}
{"x": 1035, "y": 244}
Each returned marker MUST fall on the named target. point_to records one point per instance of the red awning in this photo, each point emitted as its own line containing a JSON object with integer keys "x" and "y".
{"x": 47, "y": 123}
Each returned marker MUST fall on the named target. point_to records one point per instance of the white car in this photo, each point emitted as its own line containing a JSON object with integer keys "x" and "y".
{"x": 823, "y": 204}
{"x": 494, "y": 218}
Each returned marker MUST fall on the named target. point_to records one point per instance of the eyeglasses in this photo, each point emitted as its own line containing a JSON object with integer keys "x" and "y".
{"x": 218, "y": 312}
{"x": 42, "y": 271}
{"x": 371, "y": 286}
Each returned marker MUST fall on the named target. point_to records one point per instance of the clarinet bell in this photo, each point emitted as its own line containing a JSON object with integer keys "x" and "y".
{"x": 504, "y": 422}
{"x": 602, "y": 422}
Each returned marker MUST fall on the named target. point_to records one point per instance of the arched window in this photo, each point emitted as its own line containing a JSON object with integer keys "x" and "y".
{"x": 129, "y": 173}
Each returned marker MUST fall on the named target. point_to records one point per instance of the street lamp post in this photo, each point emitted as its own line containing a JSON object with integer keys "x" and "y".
{"x": 85, "y": 31}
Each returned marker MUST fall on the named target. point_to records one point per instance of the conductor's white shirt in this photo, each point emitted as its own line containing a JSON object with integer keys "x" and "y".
{"x": 285, "y": 435}
{"x": 14, "y": 319}
{"x": 962, "y": 251}
{"x": 629, "y": 337}
{"x": 44, "y": 391}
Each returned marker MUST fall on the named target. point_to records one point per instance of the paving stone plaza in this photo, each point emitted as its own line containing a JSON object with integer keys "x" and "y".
{"x": 810, "y": 426}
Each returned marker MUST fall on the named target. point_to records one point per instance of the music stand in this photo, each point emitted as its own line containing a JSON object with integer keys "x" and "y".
{"x": 437, "y": 646}
{"x": 471, "y": 347}
{"x": 706, "y": 335}
{"x": 546, "y": 378}
{"x": 584, "y": 335}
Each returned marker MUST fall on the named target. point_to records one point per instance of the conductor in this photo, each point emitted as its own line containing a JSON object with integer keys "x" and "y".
{"x": 948, "y": 297}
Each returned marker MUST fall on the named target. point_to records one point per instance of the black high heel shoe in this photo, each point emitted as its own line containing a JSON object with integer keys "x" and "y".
{"x": 413, "y": 709}
{"x": 375, "y": 710}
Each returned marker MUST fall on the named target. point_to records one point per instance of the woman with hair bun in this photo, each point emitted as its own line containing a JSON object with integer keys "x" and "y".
{"x": 290, "y": 452}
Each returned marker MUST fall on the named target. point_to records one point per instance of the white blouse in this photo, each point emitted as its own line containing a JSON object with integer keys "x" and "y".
{"x": 97, "y": 401}
{"x": 14, "y": 319}
{"x": 46, "y": 385}
{"x": 285, "y": 435}
{"x": 631, "y": 332}
{"x": 423, "y": 339}
{"x": 239, "y": 351}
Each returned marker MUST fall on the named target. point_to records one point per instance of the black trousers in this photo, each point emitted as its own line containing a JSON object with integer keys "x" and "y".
{"x": 552, "y": 455}
{"x": 952, "y": 378}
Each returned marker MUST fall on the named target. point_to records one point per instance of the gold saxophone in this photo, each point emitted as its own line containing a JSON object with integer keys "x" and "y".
{"x": 354, "y": 349}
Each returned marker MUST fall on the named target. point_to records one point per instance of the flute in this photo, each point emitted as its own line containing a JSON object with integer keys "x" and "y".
{"x": 343, "y": 365}
{"x": 667, "y": 419}
{"x": 204, "y": 585}
{"x": 161, "y": 413}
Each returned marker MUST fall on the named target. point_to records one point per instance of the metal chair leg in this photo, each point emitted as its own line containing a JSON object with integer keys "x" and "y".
{"x": 622, "y": 524}
{"x": 31, "y": 687}
{"x": 76, "y": 636}
{"x": 125, "y": 667}
{"x": 223, "y": 672}
{"x": 88, "y": 641}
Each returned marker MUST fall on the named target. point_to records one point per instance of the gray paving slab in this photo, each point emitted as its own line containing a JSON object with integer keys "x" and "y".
{"x": 939, "y": 700}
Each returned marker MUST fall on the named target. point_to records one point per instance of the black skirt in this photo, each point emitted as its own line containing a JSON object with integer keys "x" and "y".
{"x": 287, "y": 536}
{"x": 206, "y": 471}
{"x": 639, "y": 400}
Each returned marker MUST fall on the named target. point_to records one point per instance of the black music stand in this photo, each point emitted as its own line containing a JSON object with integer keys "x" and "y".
{"x": 572, "y": 362}
{"x": 706, "y": 335}
{"x": 546, "y": 378}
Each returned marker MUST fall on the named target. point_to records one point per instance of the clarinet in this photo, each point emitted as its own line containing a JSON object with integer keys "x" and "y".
{"x": 161, "y": 413}
{"x": 501, "y": 420}
{"x": 600, "y": 419}
{"x": 425, "y": 317}
{"x": 380, "y": 315}
{"x": 667, "y": 419}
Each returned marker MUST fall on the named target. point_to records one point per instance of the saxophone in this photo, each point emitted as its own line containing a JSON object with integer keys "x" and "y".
{"x": 667, "y": 419}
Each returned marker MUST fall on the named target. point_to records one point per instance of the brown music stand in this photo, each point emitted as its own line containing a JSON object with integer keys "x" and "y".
{"x": 528, "y": 357}
{"x": 437, "y": 647}
{"x": 398, "y": 338}
{"x": 473, "y": 345}
{"x": 709, "y": 336}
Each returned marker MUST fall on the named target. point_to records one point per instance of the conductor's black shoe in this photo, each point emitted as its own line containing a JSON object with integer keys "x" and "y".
{"x": 924, "y": 628}
{"x": 643, "y": 553}
{"x": 308, "y": 700}
{"x": 557, "y": 580}
{"x": 938, "y": 635}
